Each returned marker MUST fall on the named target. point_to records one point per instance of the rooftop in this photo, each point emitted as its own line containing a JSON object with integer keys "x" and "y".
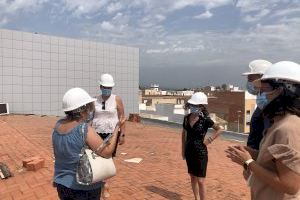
{"x": 161, "y": 174}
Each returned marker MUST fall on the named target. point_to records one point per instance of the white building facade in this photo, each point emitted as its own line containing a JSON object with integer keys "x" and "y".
{"x": 36, "y": 70}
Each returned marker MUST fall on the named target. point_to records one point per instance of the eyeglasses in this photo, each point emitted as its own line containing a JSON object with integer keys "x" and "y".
{"x": 103, "y": 105}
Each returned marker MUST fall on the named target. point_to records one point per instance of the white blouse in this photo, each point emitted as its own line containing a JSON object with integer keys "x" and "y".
{"x": 106, "y": 119}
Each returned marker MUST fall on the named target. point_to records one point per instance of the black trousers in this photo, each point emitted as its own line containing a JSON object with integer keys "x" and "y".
{"x": 65, "y": 193}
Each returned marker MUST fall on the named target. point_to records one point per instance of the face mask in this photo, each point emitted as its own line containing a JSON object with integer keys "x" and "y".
{"x": 90, "y": 117}
{"x": 194, "y": 109}
{"x": 251, "y": 89}
{"x": 106, "y": 92}
{"x": 262, "y": 100}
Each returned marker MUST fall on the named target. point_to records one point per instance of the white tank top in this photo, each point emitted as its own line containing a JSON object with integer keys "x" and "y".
{"x": 106, "y": 120}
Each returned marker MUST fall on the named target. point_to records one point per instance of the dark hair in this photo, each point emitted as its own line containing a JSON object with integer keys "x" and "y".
{"x": 77, "y": 113}
{"x": 286, "y": 102}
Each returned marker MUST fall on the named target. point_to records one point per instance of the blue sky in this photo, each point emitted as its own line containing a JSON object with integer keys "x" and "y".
{"x": 183, "y": 43}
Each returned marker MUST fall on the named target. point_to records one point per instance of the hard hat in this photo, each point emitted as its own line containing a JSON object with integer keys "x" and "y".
{"x": 283, "y": 70}
{"x": 257, "y": 67}
{"x": 198, "y": 98}
{"x": 107, "y": 80}
{"x": 75, "y": 98}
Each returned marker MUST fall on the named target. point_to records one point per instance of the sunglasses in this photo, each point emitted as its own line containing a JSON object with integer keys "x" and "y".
{"x": 103, "y": 105}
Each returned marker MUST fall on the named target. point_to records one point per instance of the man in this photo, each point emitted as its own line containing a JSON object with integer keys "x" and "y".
{"x": 257, "y": 69}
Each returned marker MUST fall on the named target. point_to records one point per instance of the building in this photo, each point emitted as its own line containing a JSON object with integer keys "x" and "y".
{"x": 235, "y": 107}
{"x": 231, "y": 109}
{"x": 36, "y": 70}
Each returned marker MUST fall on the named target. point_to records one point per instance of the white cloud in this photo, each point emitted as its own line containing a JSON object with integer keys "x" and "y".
{"x": 11, "y": 8}
{"x": 114, "y": 7}
{"x": 180, "y": 4}
{"x": 288, "y": 11}
{"x": 207, "y": 14}
{"x": 153, "y": 51}
{"x": 257, "y": 17}
{"x": 162, "y": 43}
{"x": 105, "y": 25}
{"x": 87, "y": 7}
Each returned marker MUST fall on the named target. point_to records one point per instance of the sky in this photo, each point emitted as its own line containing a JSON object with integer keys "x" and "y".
{"x": 183, "y": 43}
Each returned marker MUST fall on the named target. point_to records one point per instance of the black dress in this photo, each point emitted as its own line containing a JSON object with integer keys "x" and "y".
{"x": 196, "y": 154}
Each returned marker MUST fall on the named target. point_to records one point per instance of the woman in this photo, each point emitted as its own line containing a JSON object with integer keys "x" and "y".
{"x": 194, "y": 144}
{"x": 275, "y": 167}
{"x": 68, "y": 141}
{"x": 109, "y": 110}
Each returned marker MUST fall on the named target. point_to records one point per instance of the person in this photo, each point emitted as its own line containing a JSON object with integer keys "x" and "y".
{"x": 257, "y": 122}
{"x": 275, "y": 167}
{"x": 194, "y": 144}
{"x": 109, "y": 110}
{"x": 67, "y": 143}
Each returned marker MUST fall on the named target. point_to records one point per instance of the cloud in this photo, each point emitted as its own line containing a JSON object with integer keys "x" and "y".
{"x": 88, "y": 7}
{"x": 9, "y": 9}
{"x": 105, "y": 25}
{"x": 180, "y": 4}
{"x": 207, "y": 14}
{"x": 256, "y": 17}
{"x": 114, "y": 7}
{"x": 153, "y": 51}
{"x": 3, "y": 21}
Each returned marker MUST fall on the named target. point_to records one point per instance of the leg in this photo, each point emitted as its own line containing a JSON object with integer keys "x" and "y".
{"x": 105, "y": 190}
{"x": 202, "y": 188}
{"x": 195, "y": 187}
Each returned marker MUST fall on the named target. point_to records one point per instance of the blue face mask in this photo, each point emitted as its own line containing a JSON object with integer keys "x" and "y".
{"x": 105, "y": 92}
{"x": 251, "y": 89}
{"x": 262, "y": 100}
{"x": 90, "y": 117}
{"x": 194, "y": 109}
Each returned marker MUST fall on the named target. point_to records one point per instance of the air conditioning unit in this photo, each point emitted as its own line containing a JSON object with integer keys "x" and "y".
{"x": 4, "y": 109}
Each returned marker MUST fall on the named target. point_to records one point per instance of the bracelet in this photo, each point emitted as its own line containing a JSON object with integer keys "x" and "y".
{"x": 247, "y": 163}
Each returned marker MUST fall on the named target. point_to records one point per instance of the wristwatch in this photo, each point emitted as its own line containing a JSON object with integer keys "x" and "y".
{"x": 247, "y": 163}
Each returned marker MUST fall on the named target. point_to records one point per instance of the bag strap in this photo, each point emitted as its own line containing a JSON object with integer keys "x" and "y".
{"x": 101, "y": 146}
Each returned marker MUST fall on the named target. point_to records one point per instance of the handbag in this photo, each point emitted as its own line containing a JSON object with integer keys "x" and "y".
{"x": 91, "y": 167}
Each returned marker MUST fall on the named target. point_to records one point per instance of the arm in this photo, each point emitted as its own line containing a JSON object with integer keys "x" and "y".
{"x": 285, "y": 180}
{"x": 217, "y": 133}
{"x": 93, "y": 140}
{"x": 121, "y": 116}
{"x": 183, "y": 142}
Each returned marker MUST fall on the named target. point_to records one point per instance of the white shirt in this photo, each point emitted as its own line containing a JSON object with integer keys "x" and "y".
{"x": 105, "y": 120}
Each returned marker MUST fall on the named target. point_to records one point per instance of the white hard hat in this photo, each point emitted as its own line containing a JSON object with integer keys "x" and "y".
{"x": 198, "y": 98}
{"x": 107, "y": 80}
{"x": 258, "y": 67}
{"x": 283, "y": 70}
{"x": 75, "y": 98}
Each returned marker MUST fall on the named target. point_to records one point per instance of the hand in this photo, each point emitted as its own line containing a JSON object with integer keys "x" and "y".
{"x": 206, "y": 142}
{"x": 253, "y": 152}
{"x": 121, "y": 122}
{"x": 238, "y": 154}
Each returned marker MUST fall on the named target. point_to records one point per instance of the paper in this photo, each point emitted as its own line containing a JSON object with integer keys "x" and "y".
{"x": 134, "y": 160}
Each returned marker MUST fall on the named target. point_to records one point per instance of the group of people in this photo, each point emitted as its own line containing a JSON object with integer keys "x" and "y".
{"x": 271, "y": 159}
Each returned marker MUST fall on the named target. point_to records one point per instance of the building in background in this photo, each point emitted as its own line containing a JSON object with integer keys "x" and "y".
{"x": 36, "y": 70}
{"x": 231, "y": 108}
